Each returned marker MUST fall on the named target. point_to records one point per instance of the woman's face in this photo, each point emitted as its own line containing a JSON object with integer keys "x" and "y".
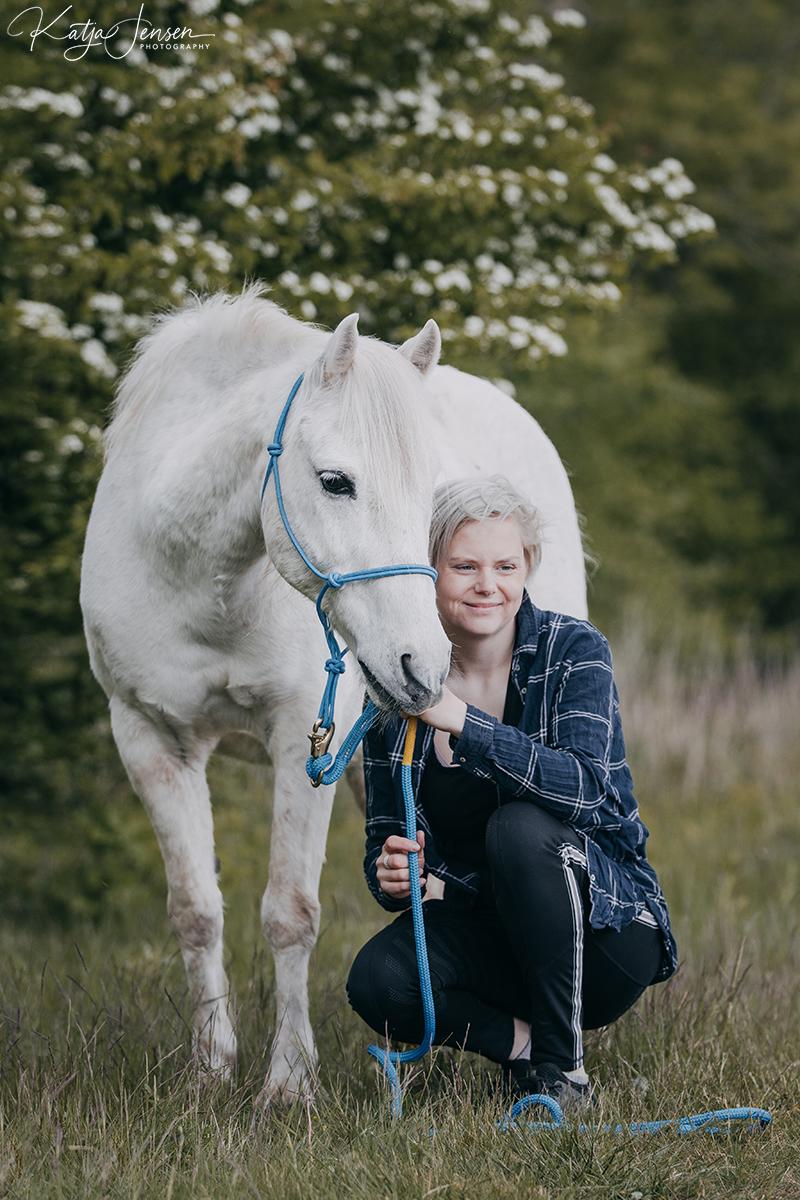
{"x": 481, "y": 578}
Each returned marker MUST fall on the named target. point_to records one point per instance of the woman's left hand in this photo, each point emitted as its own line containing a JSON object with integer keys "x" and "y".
{"x": 447, "y": 714}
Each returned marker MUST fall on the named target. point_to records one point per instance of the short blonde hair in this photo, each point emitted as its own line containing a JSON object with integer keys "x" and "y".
{"x": 482, "y": 498}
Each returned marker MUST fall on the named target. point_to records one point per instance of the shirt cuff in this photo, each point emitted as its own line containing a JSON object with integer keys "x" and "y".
{"x": 475, "y": 739}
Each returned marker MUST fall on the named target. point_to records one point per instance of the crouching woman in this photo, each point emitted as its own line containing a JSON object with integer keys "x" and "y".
{"x": 551, "y": 920}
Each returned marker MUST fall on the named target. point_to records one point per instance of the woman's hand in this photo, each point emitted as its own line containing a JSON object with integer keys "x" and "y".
{"x": 392, "y": 866}
{"x": 448, "y": 714}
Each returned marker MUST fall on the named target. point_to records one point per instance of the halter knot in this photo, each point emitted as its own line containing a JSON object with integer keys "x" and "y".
{"x": 274, "y": 449}
{"x": 334, "y": 580}
{"x": 334, "y": 666}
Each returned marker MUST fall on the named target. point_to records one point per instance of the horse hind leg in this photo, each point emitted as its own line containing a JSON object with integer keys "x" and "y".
{"x": 174, "y": 791}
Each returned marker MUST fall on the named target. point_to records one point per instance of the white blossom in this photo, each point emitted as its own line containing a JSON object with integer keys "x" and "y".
{"x": 44, "y": 319}
{"x": 70, "y": 443}
{"x": 616, "y": 207}
{"x": 303, "y": 200}
{"x": 569, "y": 17}
{"x": 678, "y": 187}
{"x": 474, "y": 326}
{"x": 651, "y": 236}
{"x": 548, "y": 81}
{"x": 535, "y": 33}
{"x": 29, "y": 100}
{"x": 220, "y": 256}
{"x": 453, "y": 277}
{"x": 604, "y": 162}
{"x": 94, "y": 355}
{"x": 548, "y": 339}
{"x": 106, "y": 302}
{"x": 237, "y": 195}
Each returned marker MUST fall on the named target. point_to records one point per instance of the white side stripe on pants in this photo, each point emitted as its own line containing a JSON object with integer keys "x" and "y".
{"x": 570, "y": 854}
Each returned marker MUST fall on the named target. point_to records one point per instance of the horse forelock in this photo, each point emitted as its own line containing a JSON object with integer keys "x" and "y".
{"x": 382, "y": 412}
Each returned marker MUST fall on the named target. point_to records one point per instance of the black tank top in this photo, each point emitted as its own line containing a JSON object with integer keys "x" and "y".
{"x": 458, "y": 804}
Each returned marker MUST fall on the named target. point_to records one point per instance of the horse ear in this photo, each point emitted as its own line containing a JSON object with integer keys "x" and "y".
{"x": 424, "y": 348}
{"x": 341, "y": 349}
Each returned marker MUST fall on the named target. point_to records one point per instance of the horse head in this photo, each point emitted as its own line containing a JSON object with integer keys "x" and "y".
{"x": 356, "y": 477}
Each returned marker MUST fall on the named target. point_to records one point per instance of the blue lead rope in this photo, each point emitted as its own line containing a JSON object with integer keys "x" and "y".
{"x": 709, "y": 1122}
{"x": 389, "y": 1059}
{"x": 321, "y": 767}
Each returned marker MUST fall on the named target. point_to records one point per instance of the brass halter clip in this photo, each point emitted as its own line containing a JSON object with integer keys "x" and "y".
{"x": 320, "y": 739}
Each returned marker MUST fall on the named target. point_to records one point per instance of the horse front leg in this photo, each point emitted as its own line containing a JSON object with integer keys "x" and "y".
{"x": 170, "y": 780}
{"x": 290, "y": 912}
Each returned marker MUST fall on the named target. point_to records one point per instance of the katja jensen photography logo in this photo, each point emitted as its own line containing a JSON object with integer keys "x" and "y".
{"x": 84, "y": 36}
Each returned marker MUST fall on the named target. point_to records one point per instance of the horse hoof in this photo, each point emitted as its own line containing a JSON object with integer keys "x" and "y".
{"x": 215, "y": 1060}
{"x": 217, "y": 1076}
{"x": 284, "y": 1089}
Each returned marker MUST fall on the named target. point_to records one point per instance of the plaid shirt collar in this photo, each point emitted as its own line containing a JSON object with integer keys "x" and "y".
{"x": 528, "y": 624}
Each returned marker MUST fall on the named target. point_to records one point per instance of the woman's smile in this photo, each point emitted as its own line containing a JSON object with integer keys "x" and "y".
{"x": 481, "y": 579}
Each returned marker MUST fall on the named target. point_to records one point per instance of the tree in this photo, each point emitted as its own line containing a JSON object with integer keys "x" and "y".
{"x": 719, "y": 88}
{"x": 405, "y": 160}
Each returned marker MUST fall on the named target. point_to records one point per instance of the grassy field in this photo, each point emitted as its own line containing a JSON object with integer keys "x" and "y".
{"x": 98, "y": 1097}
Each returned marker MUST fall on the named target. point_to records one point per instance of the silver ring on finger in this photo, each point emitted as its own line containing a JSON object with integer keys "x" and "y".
{"x": 385, "y": 861}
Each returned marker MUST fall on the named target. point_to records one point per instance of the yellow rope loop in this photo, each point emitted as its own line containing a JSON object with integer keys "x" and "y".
{"x": 408, "y": 747}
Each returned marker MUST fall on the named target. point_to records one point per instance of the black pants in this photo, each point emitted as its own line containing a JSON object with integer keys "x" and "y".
{"x": 525, "y": 950}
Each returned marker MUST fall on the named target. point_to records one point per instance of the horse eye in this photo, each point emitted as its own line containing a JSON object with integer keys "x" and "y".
{"x": 336, "y": 483}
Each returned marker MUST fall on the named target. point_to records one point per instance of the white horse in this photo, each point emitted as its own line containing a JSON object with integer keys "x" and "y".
{"x": 197, "y": 608}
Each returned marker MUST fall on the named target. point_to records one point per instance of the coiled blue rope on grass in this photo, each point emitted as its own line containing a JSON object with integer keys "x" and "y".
{"x": 715, "y": 1121}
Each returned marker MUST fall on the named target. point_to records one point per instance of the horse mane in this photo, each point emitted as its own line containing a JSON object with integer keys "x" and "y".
{"x": 231, "y": 335}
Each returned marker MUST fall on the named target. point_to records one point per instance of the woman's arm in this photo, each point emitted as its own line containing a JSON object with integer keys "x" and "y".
{"x": 382, "y": 820}
{"x": 570, "y": 776}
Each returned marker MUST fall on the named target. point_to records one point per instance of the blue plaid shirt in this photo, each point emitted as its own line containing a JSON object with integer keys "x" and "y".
{"x": 566, "y": 754}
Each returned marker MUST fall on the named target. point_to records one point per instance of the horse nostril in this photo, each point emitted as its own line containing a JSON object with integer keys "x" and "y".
{"x": 418, "y": 692}
{"x": 405, "y": 660}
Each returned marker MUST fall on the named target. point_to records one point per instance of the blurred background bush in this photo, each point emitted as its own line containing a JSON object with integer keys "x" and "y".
{"x": 598, "y": 206}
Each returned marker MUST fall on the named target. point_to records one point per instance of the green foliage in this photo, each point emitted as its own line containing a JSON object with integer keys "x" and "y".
{"x": 657, "y": 462}
{"x": 718, "y": 87}
{"x": 426, "y": 159}
{"x": 403, "y": 160}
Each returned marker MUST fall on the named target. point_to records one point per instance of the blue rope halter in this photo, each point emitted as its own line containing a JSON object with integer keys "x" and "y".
{"x": 322, "y": 768}
{"x": 320, "y": 765}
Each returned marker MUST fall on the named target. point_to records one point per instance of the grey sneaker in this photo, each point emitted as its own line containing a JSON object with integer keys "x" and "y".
{"x": 546, "y": 1079}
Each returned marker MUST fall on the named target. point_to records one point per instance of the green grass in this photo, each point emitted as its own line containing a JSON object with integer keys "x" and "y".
{"x": 98, "y": 1096}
